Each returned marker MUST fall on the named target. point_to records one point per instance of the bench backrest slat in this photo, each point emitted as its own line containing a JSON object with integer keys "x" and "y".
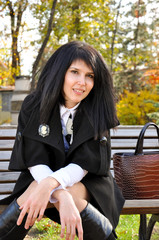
{"x": 6, "y": 187}
{"x": 5, "y": 155}
{"x": 6, "y": 177}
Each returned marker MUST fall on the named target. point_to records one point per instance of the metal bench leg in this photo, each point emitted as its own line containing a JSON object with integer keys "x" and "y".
{"x": 142, "y": 228}
{"x": 154, "y": 218}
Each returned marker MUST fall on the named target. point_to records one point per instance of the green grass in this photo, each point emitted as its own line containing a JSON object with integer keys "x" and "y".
{"x": 127, "y": 229}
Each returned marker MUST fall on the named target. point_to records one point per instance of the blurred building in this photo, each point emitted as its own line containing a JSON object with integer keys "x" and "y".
{"x": 5, "y": 103}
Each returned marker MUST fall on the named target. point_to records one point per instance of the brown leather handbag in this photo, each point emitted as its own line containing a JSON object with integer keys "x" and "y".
{"x": 137, "y": 174}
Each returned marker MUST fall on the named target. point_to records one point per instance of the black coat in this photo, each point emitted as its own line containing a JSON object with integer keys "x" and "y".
{"x": 93, "y": 155}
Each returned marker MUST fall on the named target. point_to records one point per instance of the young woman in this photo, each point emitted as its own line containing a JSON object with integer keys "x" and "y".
{"x": 62, "y": 149}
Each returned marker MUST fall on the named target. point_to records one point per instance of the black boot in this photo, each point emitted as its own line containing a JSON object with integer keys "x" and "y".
{"x": 95, "y": 225}
{"x": 9, "y": 230}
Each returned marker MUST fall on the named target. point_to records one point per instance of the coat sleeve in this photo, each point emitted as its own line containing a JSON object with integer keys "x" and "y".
{"x": 17, "y": 160}
{"x": 94, "y": 156}
{"x": 24, "y": 149}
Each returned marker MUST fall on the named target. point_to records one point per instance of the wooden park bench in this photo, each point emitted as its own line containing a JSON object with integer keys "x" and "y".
{"x": 123, "y": 139}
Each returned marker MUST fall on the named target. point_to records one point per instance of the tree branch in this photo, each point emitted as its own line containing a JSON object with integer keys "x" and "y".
{"x": 19, "y": 16}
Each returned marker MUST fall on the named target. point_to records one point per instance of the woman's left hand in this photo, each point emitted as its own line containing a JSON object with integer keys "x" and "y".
{"x": 69, "y": 215}
{"x": 37, "y": 202}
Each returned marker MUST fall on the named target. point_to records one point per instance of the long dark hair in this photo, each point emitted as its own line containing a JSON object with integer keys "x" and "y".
{"x": 101, "y": 98}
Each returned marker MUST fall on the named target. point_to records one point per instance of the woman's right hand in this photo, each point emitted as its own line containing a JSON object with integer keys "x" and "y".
{"x": 69, "y": 215}
{"x": 37, "y": 201}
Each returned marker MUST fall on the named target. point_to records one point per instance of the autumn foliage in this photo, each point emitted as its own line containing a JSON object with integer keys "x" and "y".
{"x": 6, "y": 78}
{"x": 151, "y": 77}
{"x": 137, "y": 108}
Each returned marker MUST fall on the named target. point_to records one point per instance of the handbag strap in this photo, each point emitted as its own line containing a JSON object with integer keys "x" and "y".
{"x": 139, "y": 145}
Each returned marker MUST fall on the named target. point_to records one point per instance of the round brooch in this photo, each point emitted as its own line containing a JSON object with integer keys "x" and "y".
{"x": 44, "y": 130}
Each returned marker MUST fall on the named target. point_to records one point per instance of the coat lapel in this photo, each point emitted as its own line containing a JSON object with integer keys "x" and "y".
{"x": 82, "y": 130}
{"x": 55, "y": 138}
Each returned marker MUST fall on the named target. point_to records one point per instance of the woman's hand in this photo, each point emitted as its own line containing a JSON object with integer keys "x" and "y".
{"x": 69, "y": 215}
{"x": 37, "y": 202}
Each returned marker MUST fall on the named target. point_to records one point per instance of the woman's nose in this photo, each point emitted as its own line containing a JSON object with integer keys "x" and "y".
{"x": 81, "y": 81}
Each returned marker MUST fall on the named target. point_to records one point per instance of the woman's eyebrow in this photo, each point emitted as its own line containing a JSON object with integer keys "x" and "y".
{"x": 74, "y": 68}
{"x": 79, "y": 69}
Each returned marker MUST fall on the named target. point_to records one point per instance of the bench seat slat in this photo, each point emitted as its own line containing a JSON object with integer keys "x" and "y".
{"x": 130, "y": 207}
{"x": 144, "y": 206}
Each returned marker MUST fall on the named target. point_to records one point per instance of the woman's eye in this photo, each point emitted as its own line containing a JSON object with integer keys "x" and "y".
{"x": 91, "y": 76}
{"x": 74, "y": 71}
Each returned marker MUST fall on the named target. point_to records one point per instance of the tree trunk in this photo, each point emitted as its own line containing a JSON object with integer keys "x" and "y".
{"x": 136, "y": 33}
{"x": 75, "y": 9}
{"x": 15, "y": 26}
{"x": 114, "y": 36}
{"x": 41, "y": 50}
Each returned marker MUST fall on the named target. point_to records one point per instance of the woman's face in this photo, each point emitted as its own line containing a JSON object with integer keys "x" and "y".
{"x": 78, "y": 82}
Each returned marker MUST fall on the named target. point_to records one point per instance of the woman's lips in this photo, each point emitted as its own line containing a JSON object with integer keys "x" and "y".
{"x": 78, "y": 91}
